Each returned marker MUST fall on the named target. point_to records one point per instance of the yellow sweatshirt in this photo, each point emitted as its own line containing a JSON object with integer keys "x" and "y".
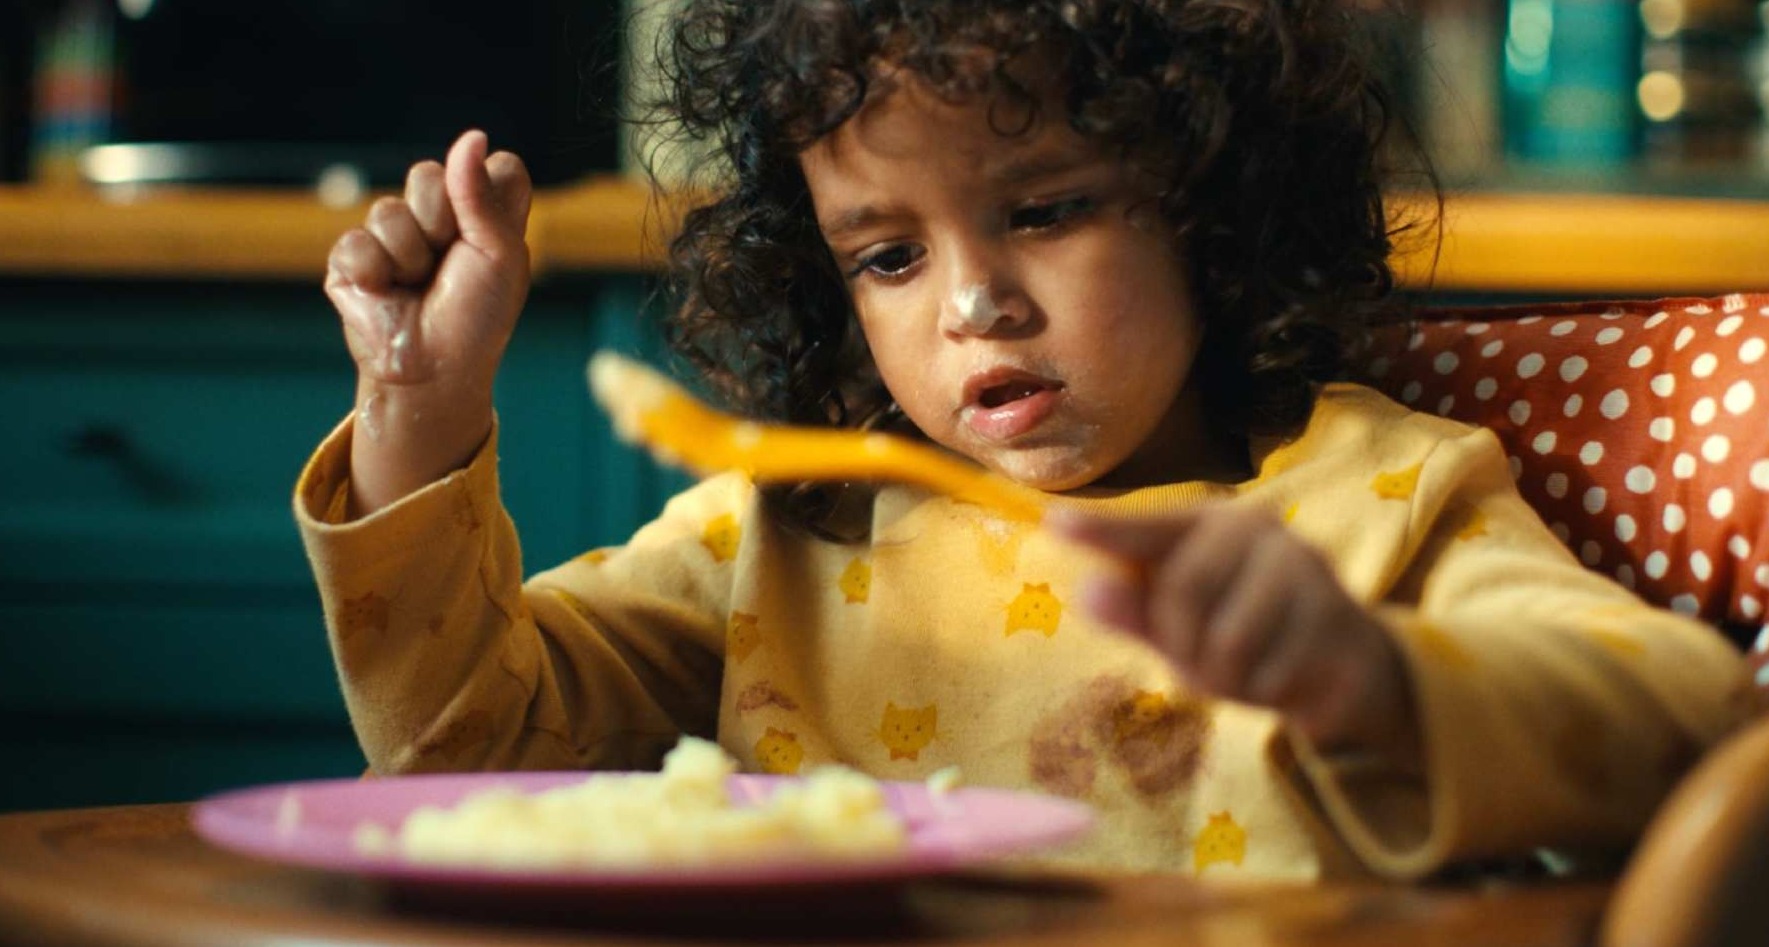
{"x": 1556, "y": 708}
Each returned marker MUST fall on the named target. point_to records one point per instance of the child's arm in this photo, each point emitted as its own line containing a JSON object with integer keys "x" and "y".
{"x": 448, "y": 661}
{"x": 445, "y": 660}
{"x": 429, "y": 289}
{"x": 1551, "y": 706}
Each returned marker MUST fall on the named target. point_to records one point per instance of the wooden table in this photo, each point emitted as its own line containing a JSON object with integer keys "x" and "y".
{"x": 138, "y": 875}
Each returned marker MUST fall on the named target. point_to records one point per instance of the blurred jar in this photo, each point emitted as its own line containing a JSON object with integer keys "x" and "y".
{"x": 1571, "y": 67}
{"x": 74, "y": 83}
{"x": 1701, "y": 102}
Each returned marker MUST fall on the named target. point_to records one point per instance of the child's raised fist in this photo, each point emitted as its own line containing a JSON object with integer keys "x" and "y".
{"x": 429, "y": 287}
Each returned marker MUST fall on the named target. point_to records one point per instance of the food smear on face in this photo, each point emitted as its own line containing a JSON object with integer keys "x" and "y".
{"x": 683, "y": 816}
{"x": 973, "y": 308}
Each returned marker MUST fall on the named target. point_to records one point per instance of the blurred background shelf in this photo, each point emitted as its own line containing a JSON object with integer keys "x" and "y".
{"x": 269, "y": 234}
{"x": 1561, "y": 244}
{"x": 1493, "y": 241}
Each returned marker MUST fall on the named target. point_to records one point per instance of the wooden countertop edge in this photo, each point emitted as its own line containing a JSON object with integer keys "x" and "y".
{"x": 1551, "y": 243}
{"x": 1572, "y": 243}
{"x": 599, "y": 225}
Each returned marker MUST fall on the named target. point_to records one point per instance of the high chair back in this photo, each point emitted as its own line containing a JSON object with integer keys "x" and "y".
{"x": 1639, "y": 430}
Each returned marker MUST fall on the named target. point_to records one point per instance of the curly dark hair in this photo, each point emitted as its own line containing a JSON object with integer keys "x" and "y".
{"x": 1266, "y": 120}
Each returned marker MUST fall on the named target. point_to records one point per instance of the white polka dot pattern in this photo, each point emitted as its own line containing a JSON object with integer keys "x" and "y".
{"x": 1665, "y": 485}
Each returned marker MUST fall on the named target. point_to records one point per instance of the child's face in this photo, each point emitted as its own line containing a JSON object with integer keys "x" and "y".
{"x": 1023, "y": 300}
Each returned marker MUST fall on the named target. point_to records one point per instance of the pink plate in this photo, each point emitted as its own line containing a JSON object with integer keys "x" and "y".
{"x": 312, "y": 823}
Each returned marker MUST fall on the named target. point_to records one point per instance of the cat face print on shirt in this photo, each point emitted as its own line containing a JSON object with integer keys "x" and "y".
{"x": 906, "y": 732}
{"x": 779, "y": 752}
{"x": 1034, "y": 609}
{"x": 1222, "y": 841}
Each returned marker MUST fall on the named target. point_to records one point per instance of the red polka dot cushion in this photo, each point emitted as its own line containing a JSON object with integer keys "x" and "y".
{"x": 1639, "y": 430}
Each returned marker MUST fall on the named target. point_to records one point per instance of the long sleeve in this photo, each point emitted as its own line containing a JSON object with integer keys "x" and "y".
{"x": 449, "y": 661}
{"x": 1556, "y": 708}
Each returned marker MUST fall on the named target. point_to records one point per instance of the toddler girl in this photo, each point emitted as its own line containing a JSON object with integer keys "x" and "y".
{"x": 1115, "y": 250}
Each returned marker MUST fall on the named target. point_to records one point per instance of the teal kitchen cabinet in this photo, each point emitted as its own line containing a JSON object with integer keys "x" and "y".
{"x": 159, "y": 634}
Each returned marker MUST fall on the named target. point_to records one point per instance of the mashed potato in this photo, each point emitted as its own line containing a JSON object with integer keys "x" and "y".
{"x": 681, "y": 816}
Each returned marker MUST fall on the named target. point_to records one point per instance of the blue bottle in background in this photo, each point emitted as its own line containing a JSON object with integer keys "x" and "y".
{"x": 1571, "y": 68}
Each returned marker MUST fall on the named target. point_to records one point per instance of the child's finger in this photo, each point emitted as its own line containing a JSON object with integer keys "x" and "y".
{"x": 1249, "y": 619}
{"x": 1281, "y": 677}
{"x": 511, "y": 188}
{"x": 359, "y": 260}
{"x": 1185, "y": 587}
{"x": 426, "y": 191}
{"x": 391, "y": 222}
{"x": 1332, "y": 709}
{"x": 1116, "y": 600}
{"x": 470, "y": 191}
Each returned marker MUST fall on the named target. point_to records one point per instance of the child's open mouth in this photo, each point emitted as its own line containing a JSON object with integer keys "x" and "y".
{"x": 1003, "y": 404}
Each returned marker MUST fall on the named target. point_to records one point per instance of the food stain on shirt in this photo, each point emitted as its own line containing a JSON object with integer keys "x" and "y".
{"x": 998, "y": 545}
{"x": 1060, "y": 759}
{"x": 764, "y": 694}
{"x": 369, "y": 611}
{"x": 1157, "y": 742}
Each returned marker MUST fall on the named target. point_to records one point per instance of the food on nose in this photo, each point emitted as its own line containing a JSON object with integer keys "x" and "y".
{"x": 972, "y": 308}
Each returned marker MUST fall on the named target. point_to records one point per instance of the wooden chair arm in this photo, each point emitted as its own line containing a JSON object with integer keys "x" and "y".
{"x": 1701, "y": 874}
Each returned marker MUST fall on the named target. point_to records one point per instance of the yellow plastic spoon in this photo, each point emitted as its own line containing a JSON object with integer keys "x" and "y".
{"x": 647, "y": 408}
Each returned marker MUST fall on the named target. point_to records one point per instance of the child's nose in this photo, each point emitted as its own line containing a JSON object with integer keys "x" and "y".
{"x": 982, "y": 289}
{"x": 970, "y": 309}
{"x": 980, "y": 301}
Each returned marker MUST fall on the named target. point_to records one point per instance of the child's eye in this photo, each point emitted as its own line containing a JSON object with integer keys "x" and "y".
{"x": 1052, "y": 214}
{"x": 891, "y": 261}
